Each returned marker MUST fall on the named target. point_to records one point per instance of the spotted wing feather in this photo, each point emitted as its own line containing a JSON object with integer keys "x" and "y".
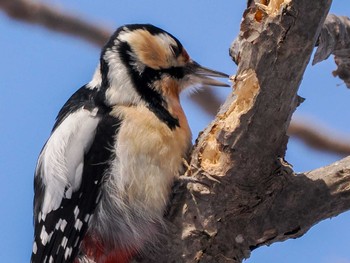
{"x": 65, "y": 197}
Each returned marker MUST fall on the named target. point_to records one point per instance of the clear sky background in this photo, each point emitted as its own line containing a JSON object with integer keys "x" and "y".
{"x": 40, "y": 69}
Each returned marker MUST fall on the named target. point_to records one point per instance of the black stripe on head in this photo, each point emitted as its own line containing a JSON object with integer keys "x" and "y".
{"x": 142, "y": 83}
{"x": 175, "y": 72}
{"x": 104, "y": 67}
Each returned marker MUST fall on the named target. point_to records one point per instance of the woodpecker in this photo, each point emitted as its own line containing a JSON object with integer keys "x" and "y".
{"x": 103, "y": 178}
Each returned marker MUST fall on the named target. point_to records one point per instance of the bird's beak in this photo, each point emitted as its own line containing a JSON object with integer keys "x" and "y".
{"x": 203, "y": 76}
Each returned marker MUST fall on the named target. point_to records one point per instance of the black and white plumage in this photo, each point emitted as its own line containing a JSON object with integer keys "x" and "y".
{"x": 103, "y": 177}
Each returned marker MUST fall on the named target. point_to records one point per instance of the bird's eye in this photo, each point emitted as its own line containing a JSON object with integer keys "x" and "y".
{"x": 175, "y": 50}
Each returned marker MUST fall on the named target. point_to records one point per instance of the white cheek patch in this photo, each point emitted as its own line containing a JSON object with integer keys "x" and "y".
{"x": 62, "y": 159}
{"x": 121, "y": 90}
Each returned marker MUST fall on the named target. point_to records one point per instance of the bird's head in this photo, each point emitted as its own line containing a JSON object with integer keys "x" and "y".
{"x": 143, "y": 63}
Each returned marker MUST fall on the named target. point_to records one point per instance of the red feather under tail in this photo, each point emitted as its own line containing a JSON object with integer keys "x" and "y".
{"x": 93, "y": 249}
{"x": 120, "y": 256}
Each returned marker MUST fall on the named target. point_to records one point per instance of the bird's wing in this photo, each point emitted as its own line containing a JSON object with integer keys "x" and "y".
{"x": 68, "y": 176}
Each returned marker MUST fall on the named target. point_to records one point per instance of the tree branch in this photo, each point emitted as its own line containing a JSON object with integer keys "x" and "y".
{"x": 311, "y": 136}
{"x": 250, "y": 196}
{"x": 44, "y": 15}
{"x": 335, "y": 39}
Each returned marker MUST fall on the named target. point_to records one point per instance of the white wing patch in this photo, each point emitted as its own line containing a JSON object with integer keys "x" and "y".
{"x": 61, "y": 161}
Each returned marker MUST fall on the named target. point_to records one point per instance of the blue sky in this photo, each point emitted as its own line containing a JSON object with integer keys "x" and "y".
{"x": 41, "y": 69}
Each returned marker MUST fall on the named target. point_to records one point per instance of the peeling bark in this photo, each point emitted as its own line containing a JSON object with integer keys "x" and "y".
{"x": 248, "y": 195}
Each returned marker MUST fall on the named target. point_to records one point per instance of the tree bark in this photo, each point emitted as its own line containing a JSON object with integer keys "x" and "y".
{"x": 248, "y": 195}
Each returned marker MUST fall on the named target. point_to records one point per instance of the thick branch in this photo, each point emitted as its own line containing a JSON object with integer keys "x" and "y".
{"x": 290, "y": 205}
{"x": 249, "y": 195}
{"x": 47, "y": 16}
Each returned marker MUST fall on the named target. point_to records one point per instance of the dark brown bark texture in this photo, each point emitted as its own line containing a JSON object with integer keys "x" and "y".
{"x": 249, "y": 195}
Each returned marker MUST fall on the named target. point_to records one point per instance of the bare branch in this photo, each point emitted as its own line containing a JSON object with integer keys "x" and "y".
{"x": 301, "y": 201}
{"x": 44, "y": 15}
{"x": 335, "y": 39}
{"x": 207, "y": 100}
{"x": 311, "y": 136}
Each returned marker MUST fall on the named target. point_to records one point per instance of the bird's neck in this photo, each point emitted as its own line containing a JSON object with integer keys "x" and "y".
{"x": 170, "y": 90}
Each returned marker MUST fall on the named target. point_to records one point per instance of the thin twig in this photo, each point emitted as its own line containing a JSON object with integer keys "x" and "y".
{"x": 311, "y": 136}
{"x": 53, "y": 19}
{"x": 207, "y": 100}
